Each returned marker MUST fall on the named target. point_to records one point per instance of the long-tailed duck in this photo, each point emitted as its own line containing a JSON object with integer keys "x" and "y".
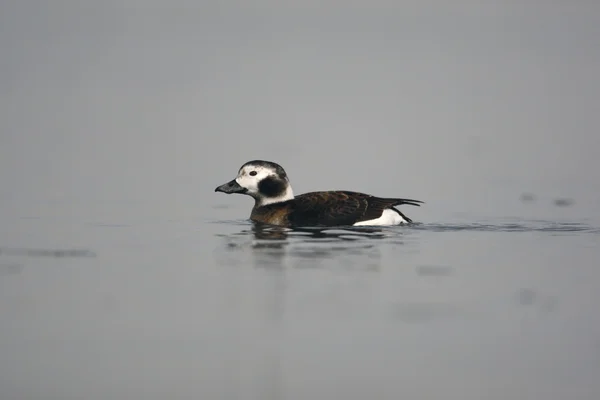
{"x": 275, "y": 203}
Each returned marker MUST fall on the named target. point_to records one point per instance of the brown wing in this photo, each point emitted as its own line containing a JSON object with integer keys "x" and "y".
{"x": 339, "y": 208}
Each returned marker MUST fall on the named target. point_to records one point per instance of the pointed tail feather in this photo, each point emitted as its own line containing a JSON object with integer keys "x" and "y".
{"x": 398, "y": 202}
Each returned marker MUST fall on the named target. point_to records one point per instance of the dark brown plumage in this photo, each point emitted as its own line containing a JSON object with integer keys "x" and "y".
{"x": 331, "y": 208}
{"x": 275, "y": 203}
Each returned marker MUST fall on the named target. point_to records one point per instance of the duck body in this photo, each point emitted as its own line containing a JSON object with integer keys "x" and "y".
{"x": 275, "y": 203}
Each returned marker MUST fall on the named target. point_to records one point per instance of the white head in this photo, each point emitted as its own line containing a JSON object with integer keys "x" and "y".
{"x": 265, "y": 181}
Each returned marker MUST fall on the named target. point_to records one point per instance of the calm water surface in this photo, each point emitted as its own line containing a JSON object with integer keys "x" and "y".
{"x": 209, "y": 308}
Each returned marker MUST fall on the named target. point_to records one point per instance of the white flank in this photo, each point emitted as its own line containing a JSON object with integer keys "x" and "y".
{"x": 388, "y": 217}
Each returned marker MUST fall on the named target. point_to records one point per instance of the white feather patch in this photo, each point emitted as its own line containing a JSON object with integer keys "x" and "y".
{"x": 388, "y": 217}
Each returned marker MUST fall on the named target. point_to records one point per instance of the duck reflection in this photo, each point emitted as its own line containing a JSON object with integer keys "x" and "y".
{"x": 267, "y": 246}
{"x": 270, "y": 232}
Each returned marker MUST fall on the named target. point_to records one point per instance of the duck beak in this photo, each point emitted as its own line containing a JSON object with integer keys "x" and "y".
{"x": 231, "y": 187}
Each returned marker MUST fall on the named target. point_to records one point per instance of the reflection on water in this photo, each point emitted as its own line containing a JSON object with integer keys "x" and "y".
{"x": 360, "y": 248}
{"x": 276, "y": 247}
{"x": 273, "y": 246}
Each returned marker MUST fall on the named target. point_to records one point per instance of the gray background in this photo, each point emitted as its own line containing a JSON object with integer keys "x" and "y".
{"x": 118, "y": 119}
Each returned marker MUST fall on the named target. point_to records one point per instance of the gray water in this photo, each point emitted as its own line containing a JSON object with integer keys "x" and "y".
{"x": 123, "y": 275}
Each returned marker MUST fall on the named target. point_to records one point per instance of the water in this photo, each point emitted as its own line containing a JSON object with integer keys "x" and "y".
{"x": 124, "y": 276}
{"x": 227, "y": 309}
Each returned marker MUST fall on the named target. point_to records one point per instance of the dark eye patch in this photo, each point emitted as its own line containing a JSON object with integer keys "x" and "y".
{"x": 253, "y": 173}
{"x": 272, "y": 187}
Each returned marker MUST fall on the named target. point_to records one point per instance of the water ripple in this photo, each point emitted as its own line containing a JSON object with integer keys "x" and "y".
{"x": 526, "y": 226}
{"x": 58, "y": 253}
{"x": 308, "y": 247}
{"x": 356, "y": 233}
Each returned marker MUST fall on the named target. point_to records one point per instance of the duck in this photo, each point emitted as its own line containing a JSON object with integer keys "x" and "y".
{"x": 275, "y": 204}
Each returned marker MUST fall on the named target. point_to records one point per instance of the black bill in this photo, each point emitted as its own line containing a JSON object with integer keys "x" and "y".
{"x": 231, "y": 187}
